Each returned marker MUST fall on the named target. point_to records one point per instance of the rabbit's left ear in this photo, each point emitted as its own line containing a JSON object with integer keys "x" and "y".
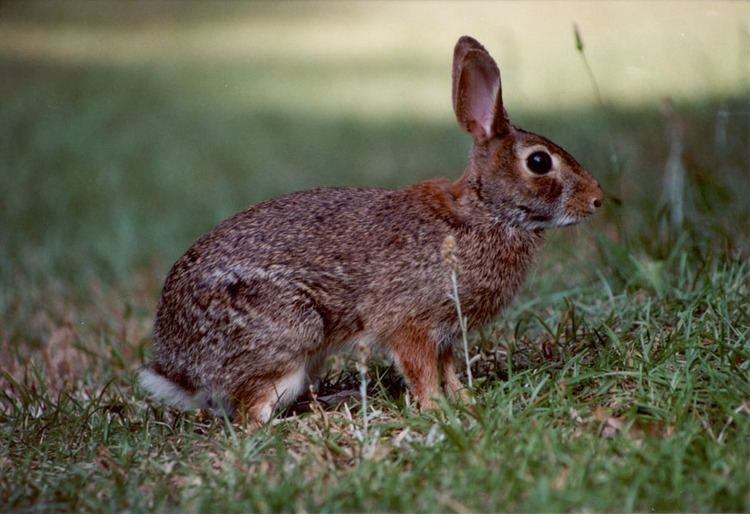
{"x": 477, "y": 94}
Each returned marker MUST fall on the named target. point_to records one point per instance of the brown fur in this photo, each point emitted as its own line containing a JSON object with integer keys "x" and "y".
{"x": 276, "y": 288}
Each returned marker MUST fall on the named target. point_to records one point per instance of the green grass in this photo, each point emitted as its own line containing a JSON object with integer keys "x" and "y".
{"x": 619, "y": 380}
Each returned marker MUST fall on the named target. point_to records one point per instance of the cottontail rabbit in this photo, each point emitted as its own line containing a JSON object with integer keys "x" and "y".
{"x": 249, "y": 314}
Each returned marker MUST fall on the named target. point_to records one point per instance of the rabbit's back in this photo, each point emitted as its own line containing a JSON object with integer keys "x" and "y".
{"x": 340, "y": 246}
{"x": 329, "y": 241}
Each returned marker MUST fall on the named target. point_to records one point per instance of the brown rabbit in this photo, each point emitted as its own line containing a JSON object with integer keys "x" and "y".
{"x": 249, "y": 314}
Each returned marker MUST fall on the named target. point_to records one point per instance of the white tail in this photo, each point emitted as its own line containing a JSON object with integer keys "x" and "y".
{"x": 164, "y": 389}
{"x": 161, "y": 388}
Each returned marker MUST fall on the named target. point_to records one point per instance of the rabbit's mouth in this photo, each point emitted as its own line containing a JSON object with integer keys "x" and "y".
{"x": 533, "y": 220}
{"x": 567, "y": 220}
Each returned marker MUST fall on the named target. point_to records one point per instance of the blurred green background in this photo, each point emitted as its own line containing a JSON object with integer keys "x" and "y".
{"x": 130, "y": 128}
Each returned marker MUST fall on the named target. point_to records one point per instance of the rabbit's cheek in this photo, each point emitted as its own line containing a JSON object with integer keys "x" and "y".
{"x": 548, "y": 190}
{"x": 541, "y": 219}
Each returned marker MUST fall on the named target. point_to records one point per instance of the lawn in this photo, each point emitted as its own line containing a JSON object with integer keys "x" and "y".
{"x": 618, "y": 380}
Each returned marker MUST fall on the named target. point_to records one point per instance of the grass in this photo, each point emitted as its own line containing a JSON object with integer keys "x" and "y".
{"x": 618, "y": 380}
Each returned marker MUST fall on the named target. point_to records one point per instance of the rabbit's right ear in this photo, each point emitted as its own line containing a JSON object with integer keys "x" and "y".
{"x": 477, "y": 95}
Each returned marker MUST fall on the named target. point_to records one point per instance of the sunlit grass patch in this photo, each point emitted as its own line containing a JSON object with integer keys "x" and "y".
{"x": 381, "y": 60}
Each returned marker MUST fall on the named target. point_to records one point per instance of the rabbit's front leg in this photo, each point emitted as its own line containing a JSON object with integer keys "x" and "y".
{"x": 416, "y": 354}
{"x": 452, "y": 385}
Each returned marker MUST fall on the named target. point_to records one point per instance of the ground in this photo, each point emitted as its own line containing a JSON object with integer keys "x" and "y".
{"x": 619, "y": 379}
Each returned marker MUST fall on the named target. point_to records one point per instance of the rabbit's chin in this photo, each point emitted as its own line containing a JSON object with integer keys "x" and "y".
{"x": 566, "y": 220}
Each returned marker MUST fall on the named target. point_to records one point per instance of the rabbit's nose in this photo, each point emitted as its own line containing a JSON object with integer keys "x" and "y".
{"x": 597, "y": 198}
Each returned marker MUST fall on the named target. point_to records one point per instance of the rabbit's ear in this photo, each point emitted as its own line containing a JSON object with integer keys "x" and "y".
{"x": 477, "y": 95}
{"x": 463, "y": 45}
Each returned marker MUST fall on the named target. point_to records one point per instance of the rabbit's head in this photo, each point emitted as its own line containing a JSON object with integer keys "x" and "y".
{"x": 521, "y": 178}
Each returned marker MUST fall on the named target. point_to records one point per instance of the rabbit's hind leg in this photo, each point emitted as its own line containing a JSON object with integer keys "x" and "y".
{"x": 273, "y": 394}
{"x": 272, "y": 333}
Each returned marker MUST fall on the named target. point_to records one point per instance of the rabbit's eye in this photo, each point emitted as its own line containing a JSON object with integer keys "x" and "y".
{"x": 539, "y": 162}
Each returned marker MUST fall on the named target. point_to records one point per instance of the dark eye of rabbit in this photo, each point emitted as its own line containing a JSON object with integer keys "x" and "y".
{"x": 539, "y": 162}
